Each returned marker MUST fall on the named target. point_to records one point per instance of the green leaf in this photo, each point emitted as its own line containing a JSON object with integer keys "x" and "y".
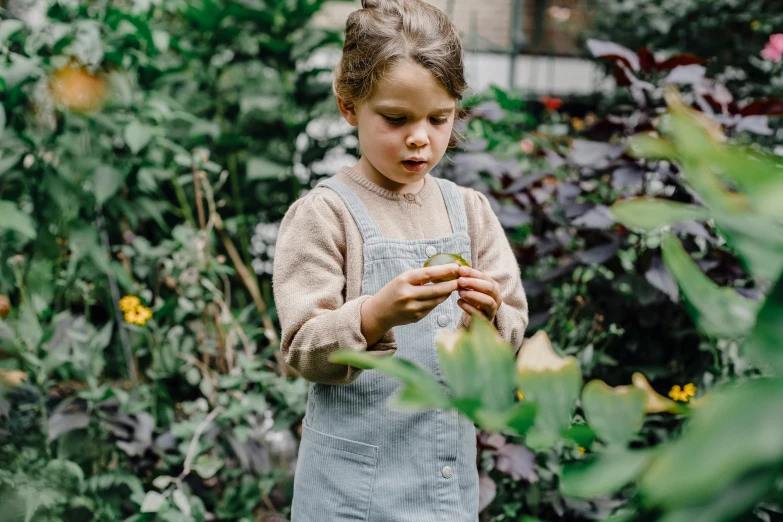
{"x": 181, "y": 501}
{"x": 650, "y": 147}
{"x": 758, "y": 174}
{"x": 16, "y": 220}
{"x": 107, "y": 181}
{"x": 650, "y": 213}
{"x": 65, "y": 475}
{"x": 732, "y": 433}
{"x": 520, "y": 419}
{"x": 421, "y": 390}
{"x": 604, "y": 473}
{"x": 615, "y": 414}
{"x": 259, "y": 168}
{"x": 27, "y": 326}
{"x": 19, "y": 70}
{"x": 729, "y": 504}
{"x": 7, "y": 162}
{"x": 207, "y": 466}
{"x": 765, "y": 345}
{"x": 581, "y": 434}
{"x": 153, "y": 501}
{"x": 718, "y": 311}
{"x": 553, "y": 383}
{"x": 8, "y": 28}
{"x": 2, "y": 120}
{"x": 153, "y": 210}
{"x": 757, "y": 241}
{"x": 138, "y": 135}
{"x": 478, "y": 365}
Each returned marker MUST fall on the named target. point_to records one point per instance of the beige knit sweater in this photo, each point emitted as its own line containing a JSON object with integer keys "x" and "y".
{"x": 319, "y": 263}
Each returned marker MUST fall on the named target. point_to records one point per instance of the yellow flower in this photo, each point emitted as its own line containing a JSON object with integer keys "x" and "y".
{"x": 582, "y": 450}
{"x": 139, "y": 315}
{"x": 755, "y": 25}
{"x": 129, "y": 302}
{"x": 521, "y": 395}
{"x": 577, "y": 124}
{"x": 683, "y": 394}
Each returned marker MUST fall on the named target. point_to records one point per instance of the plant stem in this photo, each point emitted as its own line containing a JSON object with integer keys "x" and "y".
{"x": 115, "y": 297}
{"x": 240, "y": 207}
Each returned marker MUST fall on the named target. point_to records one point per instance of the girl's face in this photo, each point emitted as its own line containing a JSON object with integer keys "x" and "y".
{"x": 404, "y": 128}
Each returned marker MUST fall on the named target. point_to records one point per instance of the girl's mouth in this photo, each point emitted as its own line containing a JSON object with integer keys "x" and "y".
{"x": 414, "y": 166}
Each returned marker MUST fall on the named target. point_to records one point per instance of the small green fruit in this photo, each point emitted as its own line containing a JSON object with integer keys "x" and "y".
{"x": 445, "y": 259}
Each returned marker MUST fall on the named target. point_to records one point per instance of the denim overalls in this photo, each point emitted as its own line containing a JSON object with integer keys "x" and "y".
{"x": 361, "y": 460}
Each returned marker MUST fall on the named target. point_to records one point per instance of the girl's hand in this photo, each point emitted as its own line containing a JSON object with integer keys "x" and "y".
{"x": 479, "y": 293}
{"x": 408, "y": 298}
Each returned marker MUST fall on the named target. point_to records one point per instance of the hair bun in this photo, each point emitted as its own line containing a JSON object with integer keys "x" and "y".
{"x": 382, "y": 5}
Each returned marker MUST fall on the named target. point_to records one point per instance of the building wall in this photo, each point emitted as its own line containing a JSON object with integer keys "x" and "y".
{"x": 549, "y": 62}
{"x": 549, "y": 26}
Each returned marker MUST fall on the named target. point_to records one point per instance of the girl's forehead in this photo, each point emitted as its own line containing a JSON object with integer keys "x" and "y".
{"x": 411, "y": 86}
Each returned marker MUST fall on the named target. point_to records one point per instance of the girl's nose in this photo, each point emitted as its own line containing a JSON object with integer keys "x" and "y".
{"x": 418, "y": 137}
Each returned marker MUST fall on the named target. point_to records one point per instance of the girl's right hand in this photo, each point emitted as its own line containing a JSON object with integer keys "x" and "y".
{"x": 408, "y": 298}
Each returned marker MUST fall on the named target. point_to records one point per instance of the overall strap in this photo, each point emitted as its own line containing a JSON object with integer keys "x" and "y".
{"x": 358, "y": 210}
{"x": 454, "y": 205}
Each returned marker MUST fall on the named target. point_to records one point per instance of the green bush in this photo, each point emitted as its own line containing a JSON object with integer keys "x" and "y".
{"x": 140, "y": 142}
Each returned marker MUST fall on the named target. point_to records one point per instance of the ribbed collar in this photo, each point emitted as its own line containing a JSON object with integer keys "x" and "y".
{"x": 417, "y": 198}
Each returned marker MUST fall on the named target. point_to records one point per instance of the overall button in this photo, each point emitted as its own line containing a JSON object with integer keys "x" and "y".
{"x": 443, "y": 320}
{"x": 430, "y": 251}
{"x": 410, "y": 197}
{"x": 446, "y": 472}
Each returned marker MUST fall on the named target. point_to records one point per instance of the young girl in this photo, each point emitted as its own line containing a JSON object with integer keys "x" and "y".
{"x": 348, "y": 275}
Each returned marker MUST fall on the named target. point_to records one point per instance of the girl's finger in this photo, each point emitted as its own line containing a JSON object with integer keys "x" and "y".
{"x": 470, "y": 309}
{"x": 482, "y": 285}
{"x": 466, "y": 271}
{"x": 477, "y": 299}
{"x": 422, "y": 276}
{"x": 435, "y": 290}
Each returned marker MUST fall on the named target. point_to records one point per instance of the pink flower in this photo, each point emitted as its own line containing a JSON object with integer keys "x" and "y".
{"x": 774, "y": 48}
{"x": 527, "y": 146}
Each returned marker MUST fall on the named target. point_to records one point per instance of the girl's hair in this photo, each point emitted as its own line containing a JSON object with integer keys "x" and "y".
{"x": 386, "y": 32}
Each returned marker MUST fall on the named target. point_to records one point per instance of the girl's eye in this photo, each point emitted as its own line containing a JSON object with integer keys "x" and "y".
{"x": 392, "y": 119}
{"x": 439, "y": 121}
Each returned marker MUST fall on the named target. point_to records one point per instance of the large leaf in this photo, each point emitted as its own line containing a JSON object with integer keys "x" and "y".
{"x": 729, "y": 504}
{"x": 107, "y": 181}
{"x": 551, "y": 382}
{"x": 603, "y": 474}
{"x": 650, "y": 147}
{"x": 615, "y": 414}
{"x": 478, "y": 365}
{"x": 765, "y": 345}
{"x": 138, "y": 135}
{"x": 420, "y": 391}
{"x": 718, "y": 311}
{"x": 11, "y": 218}
{"x": 758, "y": 242}
{"x": 649, "y": 213}
{"x": 732, "y": 433}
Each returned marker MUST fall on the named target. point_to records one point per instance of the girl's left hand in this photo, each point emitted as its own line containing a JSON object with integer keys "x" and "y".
{"x": 479, "y": 293}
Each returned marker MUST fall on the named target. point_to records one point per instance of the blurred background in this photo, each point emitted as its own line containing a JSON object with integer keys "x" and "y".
{"x": 150, "y": 148}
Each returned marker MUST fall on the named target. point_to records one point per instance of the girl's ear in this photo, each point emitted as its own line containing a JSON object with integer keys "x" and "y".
{"x": 348, "y": 110}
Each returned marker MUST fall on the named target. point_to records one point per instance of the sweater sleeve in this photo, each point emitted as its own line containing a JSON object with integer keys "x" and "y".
{"x": 492, "y": 255}
{"x": 309, "y": 285}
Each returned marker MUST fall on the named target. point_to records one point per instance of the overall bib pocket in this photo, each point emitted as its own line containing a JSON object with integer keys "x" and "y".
{"x": 334, "y": 478}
